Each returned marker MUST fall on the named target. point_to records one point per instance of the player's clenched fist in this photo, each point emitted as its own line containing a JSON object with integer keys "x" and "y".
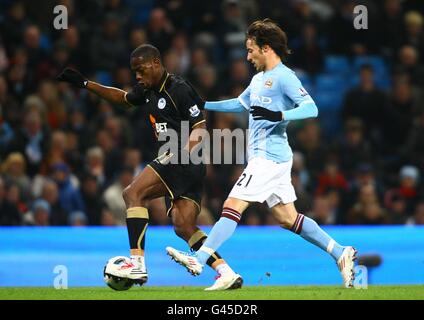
{"x": 73, "y": 77}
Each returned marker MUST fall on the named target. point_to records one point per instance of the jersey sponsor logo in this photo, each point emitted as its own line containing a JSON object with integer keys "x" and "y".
{"x": 158, "y": 126}
{"x": 161, "y": 103}
{"x": 161, "y": 127}
{"x": 268, "y": 83}
{"x": 257, "y": 99}
{"x": 303, "y": 92}
{"x": 194, "y": 111}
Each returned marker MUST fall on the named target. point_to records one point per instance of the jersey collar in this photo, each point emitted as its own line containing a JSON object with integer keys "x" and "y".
{"x": 162, "y": 81}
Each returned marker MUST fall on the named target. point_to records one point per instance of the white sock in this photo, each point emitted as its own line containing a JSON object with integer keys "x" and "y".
{"x": 224, "y": 268}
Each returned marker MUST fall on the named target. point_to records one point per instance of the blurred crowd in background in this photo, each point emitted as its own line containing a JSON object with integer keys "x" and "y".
{"x": 66, "y": 155}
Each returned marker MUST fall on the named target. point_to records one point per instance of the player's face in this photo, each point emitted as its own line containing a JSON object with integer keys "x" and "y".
{"x": 255, "y": 55}
{"x": 144, "y": 71}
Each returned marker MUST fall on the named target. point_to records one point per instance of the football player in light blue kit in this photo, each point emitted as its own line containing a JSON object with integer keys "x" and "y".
{"x": 274, "y": 97}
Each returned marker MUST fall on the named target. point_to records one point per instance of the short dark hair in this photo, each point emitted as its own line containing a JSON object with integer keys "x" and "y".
{"x": 267, "y": 32}
{"x": 147, "y": 51}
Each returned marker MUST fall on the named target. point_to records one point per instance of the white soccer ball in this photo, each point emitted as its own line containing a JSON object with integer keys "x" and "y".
{"x": 112, "y": 274}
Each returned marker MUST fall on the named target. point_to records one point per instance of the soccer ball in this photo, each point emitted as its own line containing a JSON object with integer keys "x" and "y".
{"x": 111, "y": 274}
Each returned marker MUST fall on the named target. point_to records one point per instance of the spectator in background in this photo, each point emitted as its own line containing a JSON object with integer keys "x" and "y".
{"x": 232, "y": 29}
{"x": 332, "y": 178}
{"x": 368, "y": 103}
{"x": 321, "y": 211}
{"x": 343, "y": 38}
{"x": 69, "y": 195}
{"x": 13, "y": 195}
{"x": 109, "y": 49}
{"x": 414, "y": 33}
{"x": 14, "y": 23}
{"x": 405, "y": 103}
{"x": 107, "y": 218}
{"x": 134, "y": 159}
{"x": 9, "y": 113}
{"x": 14, "y": 172}
{"x": 70, "y": 39}
{"x": 239, "y": 75}
{"x": 50, "y": 193}
{"x": 367, "y": 209}
{"x": 407, "y": 188}
{"x": 391, "y": 27}
{"x": 309, "y": 141}
{"x": 113, "y": 195}
{"x": 21, "y": 80}
{"x": 9, "y": 213}
{"x": 300, "y": 168}
{"x": 92, "y": 198}
{"x": 120, "y": 10}
{"x": 410, "y": 65}
{"x": 179, "y": 47}
{"x": 414, "y": 148}
{"x": 39, "y": 215}
{"x": 309, "y": 56}
{"x": 304, "y": 199}
{"x": 32, "y": 45}
{"x": 95, "y": 166}
{"x": 352, "y": 147}
{"x": 138, "y": 36}
{"x": 160, "y": 29}
{"x": 77, "y": 219}
{"x": 31, "y": 141}
{"x": 56, "y": 152}
{"x": 396, "y": 210}
{"x": 112, "y": 154}
{"x": 206, "y": 82}
{"x": 418, "y": 217}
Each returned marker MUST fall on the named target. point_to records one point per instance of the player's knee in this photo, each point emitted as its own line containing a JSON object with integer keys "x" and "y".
{"x": 285, "y": 221}
{"x": 132, "y": 196}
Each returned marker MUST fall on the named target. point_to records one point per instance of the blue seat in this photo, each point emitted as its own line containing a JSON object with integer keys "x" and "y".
{"x": 377, "y": 63}
{"x": 326, "y": 100}
{"x": 329, "y": 82}
{"x": 336, "y": 64}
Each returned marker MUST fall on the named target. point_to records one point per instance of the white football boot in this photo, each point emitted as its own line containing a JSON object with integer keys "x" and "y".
{"x": 226, "y": 281}
{"x": 188, "y": 260}
{"x": 135, "y": 270}
{"x": 346, "y": 266}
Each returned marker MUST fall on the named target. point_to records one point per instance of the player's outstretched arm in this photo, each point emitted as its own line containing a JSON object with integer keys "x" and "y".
{"x": 230, "y": 105}
{"x": 111, "y": 94}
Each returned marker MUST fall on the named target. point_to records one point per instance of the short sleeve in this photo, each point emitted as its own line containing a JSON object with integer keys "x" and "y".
{"x": 244, "y": 98}
{"x": 292, "y": 88}
{"x": 190, "y": 104}
{"x": 136, "y": 96}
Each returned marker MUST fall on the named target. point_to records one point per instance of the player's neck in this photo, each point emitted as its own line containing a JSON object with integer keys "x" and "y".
{"x": 272, "y": 62}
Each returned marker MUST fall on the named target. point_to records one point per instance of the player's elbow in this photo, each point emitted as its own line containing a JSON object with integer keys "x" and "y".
{"x": 314, "y": 111}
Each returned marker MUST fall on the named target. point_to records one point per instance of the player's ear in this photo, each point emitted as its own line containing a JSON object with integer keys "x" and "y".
{"x": 156, "y": 62}
{"x": 266, "y": 48}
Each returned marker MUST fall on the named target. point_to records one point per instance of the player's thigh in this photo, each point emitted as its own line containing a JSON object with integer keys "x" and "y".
{"x": 285, "y": 214}
{"x": 184, "y": 212}
{"x": 147, "y": 185}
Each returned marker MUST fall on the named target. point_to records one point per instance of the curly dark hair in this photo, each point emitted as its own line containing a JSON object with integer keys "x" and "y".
{"x": 267, "y": 32}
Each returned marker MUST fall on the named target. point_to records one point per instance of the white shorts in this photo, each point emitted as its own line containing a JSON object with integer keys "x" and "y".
{"x": 265, "y": 180}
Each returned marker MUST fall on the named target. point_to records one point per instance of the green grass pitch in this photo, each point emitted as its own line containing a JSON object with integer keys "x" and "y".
{"x": 409, "y": 292}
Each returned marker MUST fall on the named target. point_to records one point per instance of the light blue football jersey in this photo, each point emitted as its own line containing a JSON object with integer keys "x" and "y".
{"x": 278, "y": 89}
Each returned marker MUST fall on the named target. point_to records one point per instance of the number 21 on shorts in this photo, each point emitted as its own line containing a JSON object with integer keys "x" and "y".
{"x": 242, "y": 182}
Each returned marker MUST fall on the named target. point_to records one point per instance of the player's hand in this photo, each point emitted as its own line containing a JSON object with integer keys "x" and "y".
{"x": 73, "y": 77}
{"x": 260, "y": 113}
